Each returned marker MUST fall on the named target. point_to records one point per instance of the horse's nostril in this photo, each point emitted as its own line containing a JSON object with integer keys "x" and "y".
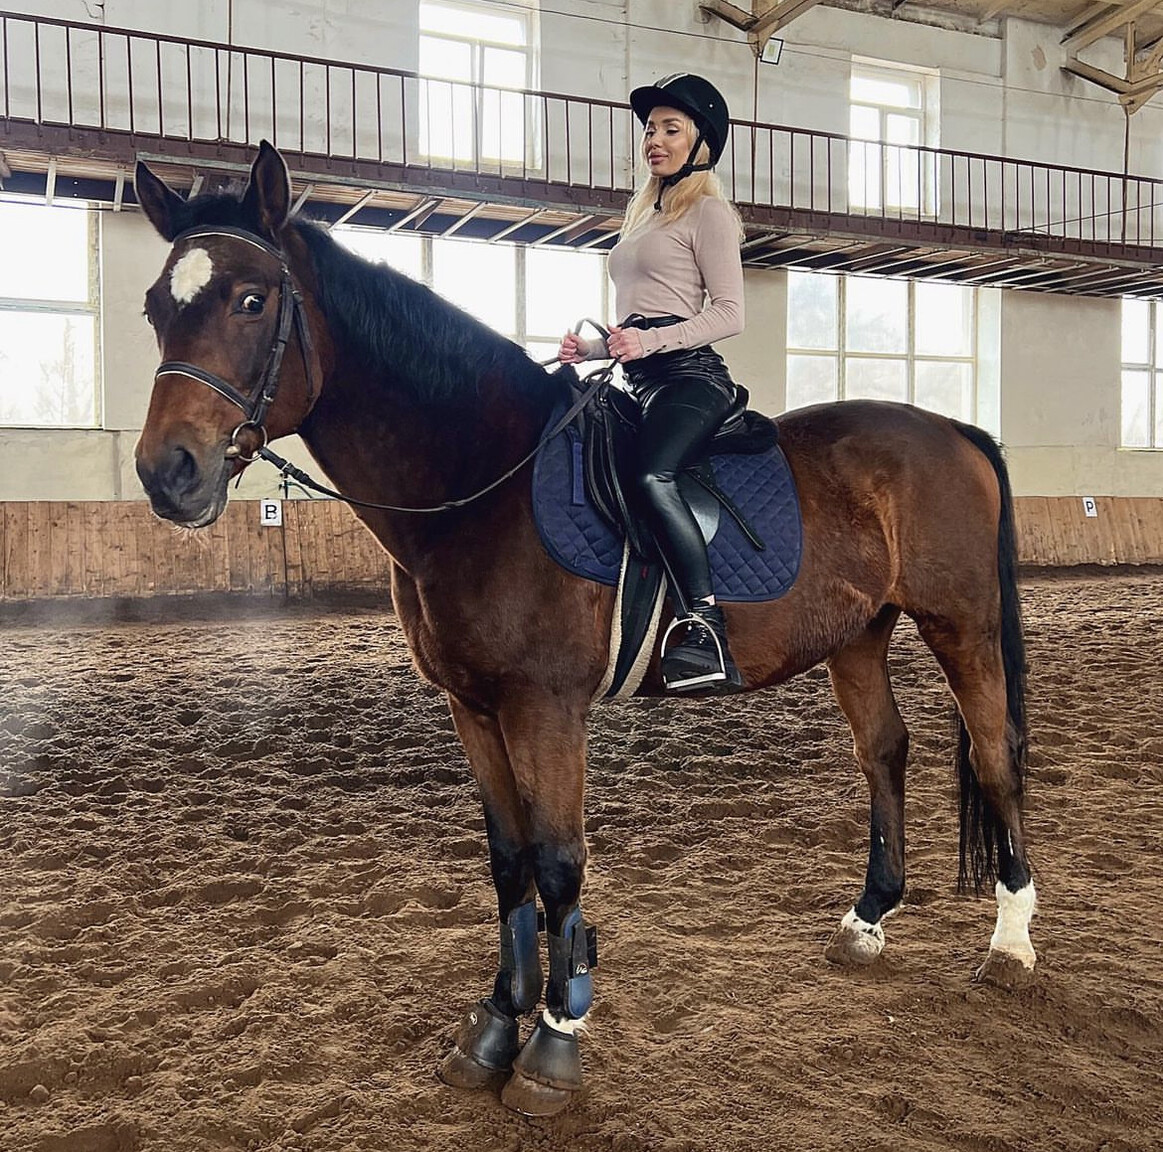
{"x": 181, "y": 471}
{"x": 174, "y": 477}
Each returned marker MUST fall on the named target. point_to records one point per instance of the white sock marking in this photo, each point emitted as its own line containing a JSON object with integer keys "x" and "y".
{"x": 1012, "y": 933}
{"x": 191, "y": 274}
{"x": 867, "y": 939}
{"x": 570, "y": 1027}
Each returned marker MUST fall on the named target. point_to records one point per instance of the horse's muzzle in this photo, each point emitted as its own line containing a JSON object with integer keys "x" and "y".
{"x": 181, "y": 489}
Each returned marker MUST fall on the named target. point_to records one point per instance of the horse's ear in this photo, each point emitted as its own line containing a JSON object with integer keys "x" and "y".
{"x": 268, "y": 195}
{"x": 157, "y": 200}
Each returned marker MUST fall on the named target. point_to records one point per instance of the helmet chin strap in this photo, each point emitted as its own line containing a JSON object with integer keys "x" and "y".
{"x": 689, "y": 167}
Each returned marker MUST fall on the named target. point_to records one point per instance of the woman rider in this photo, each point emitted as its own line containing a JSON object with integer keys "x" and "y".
{"x": 678, "y": 278}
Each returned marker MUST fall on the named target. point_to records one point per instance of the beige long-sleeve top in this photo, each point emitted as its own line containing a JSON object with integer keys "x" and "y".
{"x": 689, "y": 267}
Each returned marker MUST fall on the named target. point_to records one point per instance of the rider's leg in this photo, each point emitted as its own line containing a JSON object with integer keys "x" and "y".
{"x": 679, "y": 419}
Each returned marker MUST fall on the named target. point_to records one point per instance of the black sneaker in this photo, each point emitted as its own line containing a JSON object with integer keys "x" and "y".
{"x": 701, "y": 660}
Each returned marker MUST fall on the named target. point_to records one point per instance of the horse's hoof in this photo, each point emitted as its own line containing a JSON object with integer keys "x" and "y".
{"x": 530, "y": 1098}
{"x": 1005, "y": 970}
{"x": 855, "y": 942}
{"x": 546, "y": 1074}
{"x": 460, "y": 1071}
{"x": 486, "y": 1045}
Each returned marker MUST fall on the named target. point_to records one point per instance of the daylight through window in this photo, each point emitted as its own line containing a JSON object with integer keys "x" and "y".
{"x": 853, "y": 337}
{"x": 48, "y": 315}
{"x": 886, "y": 172}
{"x": 1142, "y": 381}
{"x": 476, "y": 58}
{"x": 531, "y": 295}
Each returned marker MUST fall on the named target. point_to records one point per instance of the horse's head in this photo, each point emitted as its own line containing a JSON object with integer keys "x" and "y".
{"x": 224, "y": 309}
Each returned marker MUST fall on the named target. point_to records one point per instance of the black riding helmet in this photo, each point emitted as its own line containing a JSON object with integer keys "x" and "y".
{"x": 698, "y": 98}
{"x": 702, "y": 102}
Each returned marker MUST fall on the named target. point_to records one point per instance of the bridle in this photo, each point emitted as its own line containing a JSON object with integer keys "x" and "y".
{"x": 291, "y": 312}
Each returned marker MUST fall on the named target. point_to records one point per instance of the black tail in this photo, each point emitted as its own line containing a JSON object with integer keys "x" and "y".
{"x": 979, "y": 826}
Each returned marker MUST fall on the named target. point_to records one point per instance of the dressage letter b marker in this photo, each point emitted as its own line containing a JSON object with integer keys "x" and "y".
{"x": 270, "y": 513}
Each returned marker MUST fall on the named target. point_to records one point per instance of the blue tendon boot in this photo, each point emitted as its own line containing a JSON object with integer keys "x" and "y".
{"x": 488, "y": 1040}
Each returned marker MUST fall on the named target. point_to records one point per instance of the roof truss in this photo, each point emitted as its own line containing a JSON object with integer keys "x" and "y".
{"x": 765, "y": 18}
{"x": 1143, "y": 56}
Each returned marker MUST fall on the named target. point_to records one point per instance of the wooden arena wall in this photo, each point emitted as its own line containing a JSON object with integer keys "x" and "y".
{"x": 120, "y": 549}
{"x": 94, "y": 549}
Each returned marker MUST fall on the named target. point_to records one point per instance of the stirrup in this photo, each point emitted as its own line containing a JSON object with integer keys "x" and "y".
{"x": 688, "y": 682}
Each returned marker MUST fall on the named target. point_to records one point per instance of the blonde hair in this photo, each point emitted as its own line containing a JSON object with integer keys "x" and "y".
{"x": 677, "y": 198}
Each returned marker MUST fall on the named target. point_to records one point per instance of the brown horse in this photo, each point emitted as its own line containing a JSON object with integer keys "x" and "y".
{"x": 402, "y": 398}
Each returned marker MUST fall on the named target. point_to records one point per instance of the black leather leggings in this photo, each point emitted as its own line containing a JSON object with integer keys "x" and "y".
{"x": 685, "y": 396}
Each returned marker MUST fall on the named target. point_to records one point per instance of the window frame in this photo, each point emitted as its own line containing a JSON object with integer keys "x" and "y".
{"x": 521, "y": 334}
{"x": 925, "y": 81}
{"x": 531, "y": 161}
{"x": 841, "y": 355}
{"x": 1152, "y": 367}
{"x": 91, "y": 308}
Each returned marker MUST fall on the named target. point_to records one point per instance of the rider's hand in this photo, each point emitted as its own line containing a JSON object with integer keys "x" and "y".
{"x": 573, "y": 349}
{"x": 625, "y": 344}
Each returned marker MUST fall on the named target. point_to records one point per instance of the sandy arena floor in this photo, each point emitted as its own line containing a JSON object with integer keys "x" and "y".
{"x": 245, "y": 901}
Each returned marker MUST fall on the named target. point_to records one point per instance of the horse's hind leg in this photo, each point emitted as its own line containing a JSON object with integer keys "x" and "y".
{"x": 991, "y": 762}
{"x": 487, "y": 1041}
{"x": 861, "y": 685}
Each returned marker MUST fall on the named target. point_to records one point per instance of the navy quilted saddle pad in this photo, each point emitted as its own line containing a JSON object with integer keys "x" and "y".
{"x": 761, "y": 487}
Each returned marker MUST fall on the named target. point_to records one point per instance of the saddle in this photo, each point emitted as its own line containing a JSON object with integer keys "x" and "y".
{"x": 607, "y": 428}
{"x": 586, "y": 514}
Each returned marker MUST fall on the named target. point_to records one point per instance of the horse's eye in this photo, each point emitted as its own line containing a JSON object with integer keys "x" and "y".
{"x": 253, "y": 303}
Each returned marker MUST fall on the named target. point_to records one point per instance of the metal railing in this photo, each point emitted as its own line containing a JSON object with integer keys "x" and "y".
{"x": 136, "y": 87}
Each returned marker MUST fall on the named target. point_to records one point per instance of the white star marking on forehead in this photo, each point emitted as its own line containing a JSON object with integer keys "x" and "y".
{"x": 191, "y": 274}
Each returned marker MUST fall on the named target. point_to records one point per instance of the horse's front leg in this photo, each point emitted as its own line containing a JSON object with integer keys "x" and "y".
{"x": 545, "y": 740}
{"x": 487, "y": 1041}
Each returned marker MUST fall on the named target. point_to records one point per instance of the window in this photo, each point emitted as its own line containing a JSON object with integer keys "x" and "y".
{"x": 48, "y": 315}
{"x": 404, "y": 253}
{"x": 886, "y": 171}
{"x": 855, "y": 337}
{"x": 1142, "y": 389}
{"x": 476, "y": 58}
{"x": 562, "y": 287}
{"x": 481, "y": 279}
{"x": 531, "y": 295}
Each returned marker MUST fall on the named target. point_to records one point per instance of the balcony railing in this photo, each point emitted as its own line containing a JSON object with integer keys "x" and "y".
{"x": 132, "y": 91}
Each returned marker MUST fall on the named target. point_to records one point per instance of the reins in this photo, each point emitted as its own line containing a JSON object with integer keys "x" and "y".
{"x": 256, "y": 406}
{"x": 286, "y": 468}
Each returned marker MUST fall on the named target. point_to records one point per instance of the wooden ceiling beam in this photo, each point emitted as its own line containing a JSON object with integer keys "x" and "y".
{"x": 762, "y": 22}
{"x": 995, "y": 9}
{"x": 364, "y": 200}
{"x": 778, "y": 17}
{"x": 1104, "y": 23}
{"x": 1097, "y": 76}
{"x": 1084, "y": 14}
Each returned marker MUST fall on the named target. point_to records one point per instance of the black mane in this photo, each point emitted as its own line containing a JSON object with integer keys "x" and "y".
{"x": 407, "y": 334}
